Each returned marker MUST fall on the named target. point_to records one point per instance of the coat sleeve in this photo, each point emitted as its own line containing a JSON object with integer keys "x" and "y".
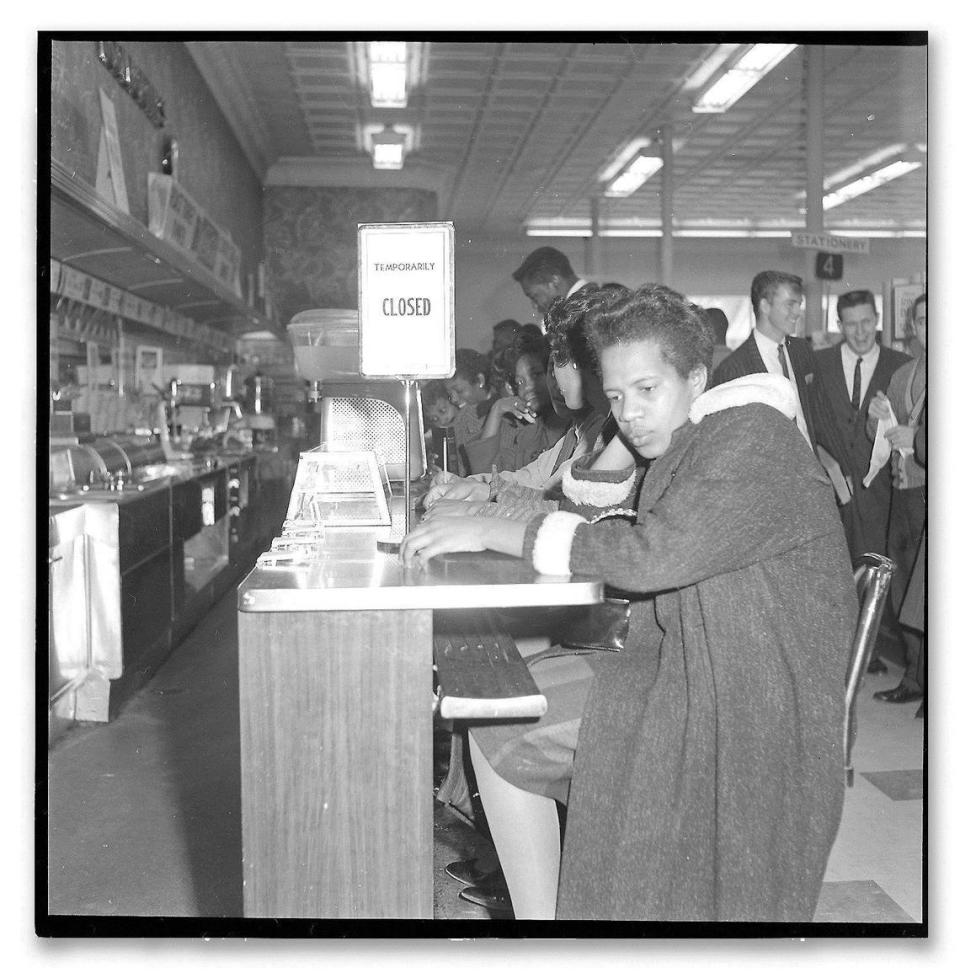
{"x": 825, "y": 432}
{"x": 744, "y": 491}
{"x": 920, "y": 439}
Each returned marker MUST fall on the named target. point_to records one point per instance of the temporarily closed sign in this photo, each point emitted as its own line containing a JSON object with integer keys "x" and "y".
{"x": 406, "y": 300}
{"x": 830, "y": 243}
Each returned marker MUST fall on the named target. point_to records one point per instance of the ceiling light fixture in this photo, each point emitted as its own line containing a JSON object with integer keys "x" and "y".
{"x": 709, "y": 66}
{"x": 868, "y": 162}
{"x": 757, "y": 61}
{"x": 623, "y": 157}
{"x": 387, "y": 69}
{"x": 634, "y": 176}
{"x": 865, "y": 184}
{"x": 704, "y": 228}
{"x": 390, "y": 69}
{"x": 388, "y": 148}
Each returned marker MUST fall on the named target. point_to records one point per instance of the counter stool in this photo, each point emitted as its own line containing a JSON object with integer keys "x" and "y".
{"x": 872, "y": 578}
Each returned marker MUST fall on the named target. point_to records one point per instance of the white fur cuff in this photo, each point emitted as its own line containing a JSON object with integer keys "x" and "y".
{"x": 773, "y": 390}
{"x": 551, "y": 549}
{"x": 596, "y": 493}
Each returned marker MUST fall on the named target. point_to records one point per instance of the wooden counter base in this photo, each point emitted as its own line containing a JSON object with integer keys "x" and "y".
{"x": 337, "y": 705}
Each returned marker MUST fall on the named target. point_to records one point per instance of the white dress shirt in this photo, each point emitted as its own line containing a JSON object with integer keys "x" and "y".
{"x": 768, "y": 352}
{"x": 868, "y": 366}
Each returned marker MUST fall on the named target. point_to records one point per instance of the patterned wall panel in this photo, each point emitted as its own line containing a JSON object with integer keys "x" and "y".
{"x": 310, "y": 239}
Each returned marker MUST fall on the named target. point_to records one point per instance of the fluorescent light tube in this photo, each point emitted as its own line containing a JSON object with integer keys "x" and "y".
{"x": 388, "y": 73}
{"x": 733, "y": 84}
{"x": 387, "y": 155}
{"x": 634, "y": 176}
{"x": 865, "y": 183}
{"x": 623, "y": 157}
{"x": 386, "y": 52}
{"x": 862, "y": 165}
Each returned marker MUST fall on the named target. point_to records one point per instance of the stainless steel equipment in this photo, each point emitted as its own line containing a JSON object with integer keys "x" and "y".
{"x": 369, "y": 415}
{"x": 116, "y": 464}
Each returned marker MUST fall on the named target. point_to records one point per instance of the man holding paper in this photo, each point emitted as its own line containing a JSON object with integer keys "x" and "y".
{"x": 850, "y": 375}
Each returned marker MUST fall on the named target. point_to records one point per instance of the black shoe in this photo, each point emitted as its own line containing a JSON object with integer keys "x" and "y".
{"x": 494, "y": 898}
{"x": 921, "y": 711}
{"x": 467, "y": 872}
{"x": 877, "y": 665}
{"x": 899, "y": 694}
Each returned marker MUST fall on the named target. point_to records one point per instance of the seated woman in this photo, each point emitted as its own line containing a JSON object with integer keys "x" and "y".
{"x": 708, "y": 779}
{"x": 576, "y": 386}
{"x": 519, "y": 427}
{"x": 442, "y": 414}
{"x": 471, "y": 384}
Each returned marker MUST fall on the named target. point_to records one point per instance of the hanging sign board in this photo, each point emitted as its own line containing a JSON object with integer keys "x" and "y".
{"x": 828, "y": 266}
{"x": 829, "y": 242}
{"x": 406, "y": 300}
{"x": 110, "y": 162}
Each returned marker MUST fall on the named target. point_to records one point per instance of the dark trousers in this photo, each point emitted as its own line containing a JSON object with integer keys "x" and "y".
{"x": 908, "y": 515}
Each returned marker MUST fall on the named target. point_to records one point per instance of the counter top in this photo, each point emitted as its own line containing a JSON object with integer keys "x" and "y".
{"x": 352, "y": 574}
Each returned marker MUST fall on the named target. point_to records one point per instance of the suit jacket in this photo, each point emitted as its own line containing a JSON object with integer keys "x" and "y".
{"x": 746, "y": 360}
{"x": 843, "y": 434}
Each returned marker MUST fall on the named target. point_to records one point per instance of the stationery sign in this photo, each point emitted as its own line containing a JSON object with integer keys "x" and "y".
{"x": 829, "y": 242}
{"x": 406, "y": 300}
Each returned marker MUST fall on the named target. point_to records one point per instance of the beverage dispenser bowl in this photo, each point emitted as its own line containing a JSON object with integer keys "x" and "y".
{"x": 326, "y": 344}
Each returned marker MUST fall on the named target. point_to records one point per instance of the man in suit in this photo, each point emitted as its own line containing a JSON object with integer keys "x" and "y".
{"x": 850, "y": 375}
{"x": 777, "y": 300}
{"x": 545, "y": 275}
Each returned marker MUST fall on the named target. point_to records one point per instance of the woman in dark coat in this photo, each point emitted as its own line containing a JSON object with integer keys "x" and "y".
{"x": 708, "y": 774}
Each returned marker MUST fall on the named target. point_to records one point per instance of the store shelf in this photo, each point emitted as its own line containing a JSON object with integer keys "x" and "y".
{"x": 91, "y": 234}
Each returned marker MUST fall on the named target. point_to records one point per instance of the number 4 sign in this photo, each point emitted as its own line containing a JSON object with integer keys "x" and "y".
{"x": 828, "y": 266}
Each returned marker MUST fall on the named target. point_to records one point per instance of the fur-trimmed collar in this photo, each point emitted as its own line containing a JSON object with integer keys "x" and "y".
{"x": 773, "y": 390}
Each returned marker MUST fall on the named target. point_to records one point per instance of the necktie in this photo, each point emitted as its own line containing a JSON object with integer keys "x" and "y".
{"x": 781, "y": 354}
{"x": 855, "y": 398}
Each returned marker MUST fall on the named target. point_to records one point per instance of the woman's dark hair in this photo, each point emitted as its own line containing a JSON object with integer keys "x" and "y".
{"x": 470, "y": 364}
{"x": 529, "y": 336}
{"x": 434, "y": 392}
{"x": 528, "y": 343}
{"x": 566, "y": 334}
{"x": 654, "y": 312}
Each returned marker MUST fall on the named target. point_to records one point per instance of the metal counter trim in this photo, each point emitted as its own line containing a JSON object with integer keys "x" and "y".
{"x": 540, "y": 591}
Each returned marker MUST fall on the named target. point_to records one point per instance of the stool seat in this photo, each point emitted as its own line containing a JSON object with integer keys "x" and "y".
{"x": 481, "y": 675}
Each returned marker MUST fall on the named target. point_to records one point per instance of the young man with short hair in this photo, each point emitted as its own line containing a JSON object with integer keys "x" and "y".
{"x": 545, "y": 275}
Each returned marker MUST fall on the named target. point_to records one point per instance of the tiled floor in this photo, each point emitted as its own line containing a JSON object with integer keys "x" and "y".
{"x": 144, "y": 812}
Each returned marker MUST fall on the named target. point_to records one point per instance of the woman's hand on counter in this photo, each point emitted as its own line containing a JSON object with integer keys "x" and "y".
{"x": 456, "y": 489}
{"x": 445, "y": 535}
{"x": 453, "y": 508}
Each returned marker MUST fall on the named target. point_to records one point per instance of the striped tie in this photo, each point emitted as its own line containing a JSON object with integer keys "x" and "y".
{"x": 783, "y": 360}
